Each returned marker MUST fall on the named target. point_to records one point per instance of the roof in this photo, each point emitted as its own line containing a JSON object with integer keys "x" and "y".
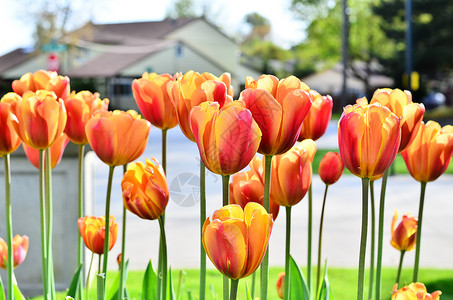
{"x": 14, "y": 58}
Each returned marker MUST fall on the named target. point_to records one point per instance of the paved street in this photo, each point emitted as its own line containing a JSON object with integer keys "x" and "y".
{"x": 342, "y": 219}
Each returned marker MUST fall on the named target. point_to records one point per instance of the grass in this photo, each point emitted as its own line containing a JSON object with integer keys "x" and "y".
{"x": 342, "y": 280}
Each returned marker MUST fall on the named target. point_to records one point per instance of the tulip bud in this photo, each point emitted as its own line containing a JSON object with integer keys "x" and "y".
{"x": 315, "y": 123}
{"x": 281, "y": 285}
{"x": 20, "y": 248}
{"x": 404, "y": 235}
{"x": 330, "y": 168}
{"x": 415, "y": 290}
{"x": 92, "y": 230}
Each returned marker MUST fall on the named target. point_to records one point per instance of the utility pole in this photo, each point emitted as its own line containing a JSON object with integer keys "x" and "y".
{"x": 345, "y": 50}
{"x": 408, "y": 36}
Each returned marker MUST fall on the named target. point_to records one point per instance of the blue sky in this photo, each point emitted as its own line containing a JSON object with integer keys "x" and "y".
{"x": 17, "y": 32}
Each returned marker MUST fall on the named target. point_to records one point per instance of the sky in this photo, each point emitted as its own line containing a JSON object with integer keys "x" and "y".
{"x": 16, "y": 30}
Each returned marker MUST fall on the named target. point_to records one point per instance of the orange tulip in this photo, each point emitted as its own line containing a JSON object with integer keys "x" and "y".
{"x": 40, "y": 118}
{"x": 117, "y": 137}
{"x": 315, "y": 123}
{"x": 331, "y": 167}
{"x": 92, "y": 230}
{"x": 291, "y": 174}
{"x": 20, "y": 248}
{"x": 43, "y": 80}
{"x": 9, "y": 140}
{"x": 414, "y": 291}
{"x": 80, "y": 107}
{"x": 404, "y": 235}
{"x": 278, "y": 107}
{"x": 368, "y": 139}
{"x": 248, "y": 186}
{"x": 410, "y": 114}
{"x": 145, "y": 189}
{"x": 227, "y": 137}
{"x": 191, "y": 89}
{"x": 280, "y": 285}
{"x": 428, "y": 156}
{"x": 236, "y": 240}
{"x": 56, "y": 152}
{"x": 151, "y": 94}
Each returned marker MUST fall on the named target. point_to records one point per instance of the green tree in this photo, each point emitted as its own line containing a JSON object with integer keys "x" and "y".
{"x": 181, "y": 9}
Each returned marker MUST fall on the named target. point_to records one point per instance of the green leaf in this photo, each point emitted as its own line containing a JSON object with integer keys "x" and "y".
{"x": 17, "y": 293}
{"x": 171, "y": 290}
{"x": 325, "y": 291}
{"x": 75, "y": 282}
{"x": 249, "y": 297}
{"x": 213, "y": 293}
{"x": 149, "y": 285}
{"x": 2, "y": 291}
{"x": 298, "y": 287}
{"x": 113, "y": 293}
{"x": 189, "y": 295}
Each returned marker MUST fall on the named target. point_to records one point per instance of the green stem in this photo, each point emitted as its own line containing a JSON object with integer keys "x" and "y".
{"x": 266, "y": 202}
{"x": 252, "y": 293}
{"x": 363, "y": 237}
{"x": 321, "y": 223}
{"x": 9, "y": 225}
{"x": 400, "y": 267}
{"x": 123, "y": 250}
{"x": 380, "y": 235}
{"x": 164, "y": 150}
{"x": 107, "y": 224}
{"x": 49, "y": 207}
{"x": 419, "y": 231}
{"x": 79, "y": 240}
{"x": 309, "y": 241}
{"x": 202, "y": 220}
{"x": 234, "y": 289}
{"x": 225, "y": 190}
{"x": 164, "y": 258}
{"x": 287, "y": 251}
{"x": 373, "y": 241}
{"x": 88, "y": 281}
{"x": 101, "y": 279}
{"x": 42, "y": 209}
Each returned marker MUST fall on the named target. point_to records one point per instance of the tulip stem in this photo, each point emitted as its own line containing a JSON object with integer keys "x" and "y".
{"x": 252, "y": 292}
{"x": 225, "y": 191}
{"x": 266, "y": 202}
{"x": 164, "y": 150}
{"x": 321, "y": 223}
{"x": 400, "y": 267}
{"x": 234, "y": 289}
{"x": 9, "y": 226}
{"x": 202, "y": 220}
{"x": 100, "y": 290}
{"x": 43, "y": 224}
{"x": 419, "y": 231}
{"x": 107, "y": 226}
{"x": 88, "y": 281}
{"x": 309, "y": 242}
{"x": 164, "y": 167}
{"x": 79, "y": 236}
{"x": 380, "y": 235}
{"x": 48, "y": 191}
{"x": 373, "y": 241}
{"x": 164, "y": 257}
{"x": 363, "y": 238}
{"x": 123, "y": 249}
{"x": 287, "y": 251}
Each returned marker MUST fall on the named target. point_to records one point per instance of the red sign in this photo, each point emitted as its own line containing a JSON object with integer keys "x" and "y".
{"x": 53, "y": 63}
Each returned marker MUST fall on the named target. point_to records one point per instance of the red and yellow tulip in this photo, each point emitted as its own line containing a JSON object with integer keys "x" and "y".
{"x": 278, "y": 107}
{"x": 92, "y": 230}
{"x": 404, "y": 235}
{"x": 280, "y": 285}
{"x": 117, "y": 137}
{"x": 428, "y": 156}
{"x": 40, "y": 118}
{"x": 368, "y": 138}
{"x": 56, "y": 152}
{"x": 43, "y": 80}
{"x": 145, "y": 189}
{"x": 151, "y": 94}
{"x": 414, "y": 291}
{"x": 236, "y": 239}
{"x": 80, "y": 108}
{"x": 227, "y": 137}
{"x": 20, "y": 248}
{"x": 331, "y": 167}
{"x": 9, "y": 140}
{"x": 315, "y": 123}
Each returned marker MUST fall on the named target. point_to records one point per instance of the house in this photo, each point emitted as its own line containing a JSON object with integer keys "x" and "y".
{"x": 110, "y": 56}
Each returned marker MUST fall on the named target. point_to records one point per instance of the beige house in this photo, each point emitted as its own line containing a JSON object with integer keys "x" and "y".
{"x": 112, "y": 55}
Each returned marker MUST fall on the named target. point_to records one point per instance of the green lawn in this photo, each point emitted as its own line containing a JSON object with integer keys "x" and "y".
{"x": 343, "y": 282}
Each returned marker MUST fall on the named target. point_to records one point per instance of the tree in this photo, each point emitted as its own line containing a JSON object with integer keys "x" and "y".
{"x": 181, "y": 9}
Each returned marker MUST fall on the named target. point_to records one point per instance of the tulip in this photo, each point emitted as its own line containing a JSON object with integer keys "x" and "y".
{"x": 330, "y": 168}
{"x": 20, "y": 248}
{"x": 56, "y": 152}
{"x": 400, "y": 103}
{"x": 227, "y": 137}
{"x": 403, "y": 236}
{"x": 43, "y": 80}
{"x": 278, "y": 107}
{"x": 117, "y": 137}
{"x": 236, "y": 240}
{"x": 191, "y": 89}
{"x": 40, "y": 118}
{"x": 145, "y": 189}
{"x": 315, "y": 123}
{"x": 280, "y": 285}
{"x": 414, "y": 291}
{"x": 153, "y": 99}
{"x": 9, "y": 140}
{"x": 80, "y": 108}
{"x": 368, "y": 139}
{"x": 92, "y": 230}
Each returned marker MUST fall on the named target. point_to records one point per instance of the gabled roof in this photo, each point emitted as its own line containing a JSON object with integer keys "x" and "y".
{"x": 14, "y": 58}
